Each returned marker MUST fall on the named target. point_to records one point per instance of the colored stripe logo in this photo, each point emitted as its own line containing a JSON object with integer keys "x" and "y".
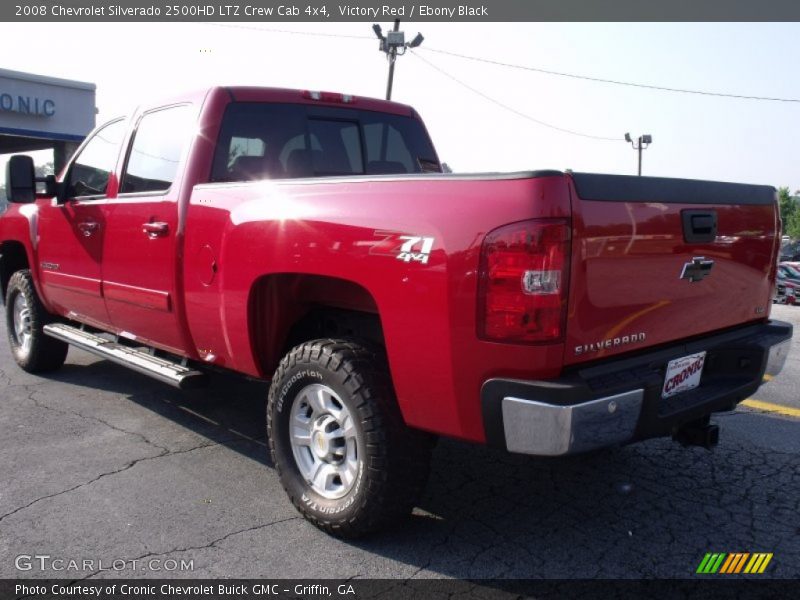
{"x": 733, "y": 563}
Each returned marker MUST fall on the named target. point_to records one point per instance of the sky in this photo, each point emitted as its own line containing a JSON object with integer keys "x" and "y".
{"x": 700, "y": 137}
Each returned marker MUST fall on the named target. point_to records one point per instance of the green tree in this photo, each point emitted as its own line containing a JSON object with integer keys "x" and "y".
{"x": 44, "y": 169}
{"x": 786, "y": 204}
{"x": 790, "y": 213}
{"x": 792, "y": 227}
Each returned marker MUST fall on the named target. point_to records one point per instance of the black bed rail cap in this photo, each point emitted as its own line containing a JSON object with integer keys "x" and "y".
{"x": 630, "y": 188}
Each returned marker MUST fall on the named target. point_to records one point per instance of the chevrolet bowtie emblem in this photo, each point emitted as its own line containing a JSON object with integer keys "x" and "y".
{"x": 697, "y": 270}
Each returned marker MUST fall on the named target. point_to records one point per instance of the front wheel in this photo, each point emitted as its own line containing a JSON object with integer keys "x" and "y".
{"x": 343, "y": 454}
{"x": 25, "y": 319}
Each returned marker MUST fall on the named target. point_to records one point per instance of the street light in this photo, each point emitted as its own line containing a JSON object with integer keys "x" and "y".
{"x": 379, "y": 34}
{"x": 394, "y": 44}
{"x": 642, "y": 142}
{"x": 416, "y": 41}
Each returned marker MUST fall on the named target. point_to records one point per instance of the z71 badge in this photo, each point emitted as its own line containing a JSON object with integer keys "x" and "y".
{"x": 408, "y": 248}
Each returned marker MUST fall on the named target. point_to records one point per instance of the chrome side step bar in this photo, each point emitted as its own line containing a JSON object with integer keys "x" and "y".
{"x": 142, "y": 361}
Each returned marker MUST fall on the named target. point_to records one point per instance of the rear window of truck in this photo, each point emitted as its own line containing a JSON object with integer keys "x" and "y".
{"x": 285, "y": 141}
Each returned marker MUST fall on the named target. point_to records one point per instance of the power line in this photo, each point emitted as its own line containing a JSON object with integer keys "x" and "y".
{"x": 647, "y": 86}
{"x": 610, "y": 81}
{"x": 511, "y": 109}
{"x": 489, "y": 61}
{"x": 292, "y": 32}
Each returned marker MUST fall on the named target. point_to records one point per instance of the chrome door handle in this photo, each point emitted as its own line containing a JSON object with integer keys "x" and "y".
{"x": 155, "y": 229}
{"x": 87, "y": 228}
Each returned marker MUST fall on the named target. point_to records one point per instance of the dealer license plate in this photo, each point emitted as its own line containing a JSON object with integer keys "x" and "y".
{"x": 683, "y": 374}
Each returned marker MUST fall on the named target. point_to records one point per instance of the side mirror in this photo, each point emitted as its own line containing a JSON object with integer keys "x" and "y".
{"x": 51, "y": 185}
{"x": 20, "y": 179}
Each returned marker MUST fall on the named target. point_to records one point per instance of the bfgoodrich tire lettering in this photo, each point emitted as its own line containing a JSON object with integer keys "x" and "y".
{"x": 355, "y": 417}
{"x": 25, "y": 318}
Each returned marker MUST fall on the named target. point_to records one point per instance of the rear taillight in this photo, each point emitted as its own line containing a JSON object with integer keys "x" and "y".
{"x": 524, "y": 275}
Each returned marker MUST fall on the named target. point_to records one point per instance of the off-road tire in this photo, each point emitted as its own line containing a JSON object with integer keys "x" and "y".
{"x": 43, "y": 354}
{"x": 394, "y": 460}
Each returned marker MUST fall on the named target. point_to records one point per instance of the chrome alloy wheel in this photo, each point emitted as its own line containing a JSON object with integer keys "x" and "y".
{"x": 23, "y": 329}
{"x": 324, "y": 441}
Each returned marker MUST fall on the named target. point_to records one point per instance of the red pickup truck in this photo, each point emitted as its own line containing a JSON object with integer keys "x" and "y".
{"x": 311, "y": 238}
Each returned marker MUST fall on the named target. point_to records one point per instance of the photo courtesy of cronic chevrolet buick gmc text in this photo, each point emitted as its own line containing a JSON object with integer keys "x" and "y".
{"x": 311, "y": 238}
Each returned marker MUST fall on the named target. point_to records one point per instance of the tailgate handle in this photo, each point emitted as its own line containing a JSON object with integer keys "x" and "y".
{"x": 699, "y": 226}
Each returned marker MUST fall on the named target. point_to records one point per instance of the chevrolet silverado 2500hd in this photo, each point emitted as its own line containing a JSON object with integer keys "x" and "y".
{"x": 310, "y": 238}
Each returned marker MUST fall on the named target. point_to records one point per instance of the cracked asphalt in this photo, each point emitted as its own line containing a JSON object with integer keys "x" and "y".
{"x": 101, "y": 463}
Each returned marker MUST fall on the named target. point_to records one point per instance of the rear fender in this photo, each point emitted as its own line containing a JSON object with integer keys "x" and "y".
{"x": 279, "y": 302}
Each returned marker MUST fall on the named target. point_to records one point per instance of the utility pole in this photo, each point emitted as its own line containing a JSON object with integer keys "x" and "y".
{"x": 392, "y": 58}
{"x": 641, "y": 143}
{"x": 390, "y": 44}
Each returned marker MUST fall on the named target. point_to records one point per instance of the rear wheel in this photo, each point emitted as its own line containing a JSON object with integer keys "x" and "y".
{"x": 341, "y": 449}
{"x": 25, "y": 319}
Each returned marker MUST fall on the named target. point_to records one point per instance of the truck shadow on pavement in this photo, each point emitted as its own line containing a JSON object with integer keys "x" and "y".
{"x": 231, "y": 410}
{"x": 648, "y": 510}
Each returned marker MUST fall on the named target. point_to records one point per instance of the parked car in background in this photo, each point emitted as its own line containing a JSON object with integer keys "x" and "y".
{"x": 780, "y": 294}
{"x": 791, "y": 287}
{"x": 790, "y": 252}
{"x": 788, "y": 275}
{"x": 791, "y": 293}
{"x": 791, "y": 272}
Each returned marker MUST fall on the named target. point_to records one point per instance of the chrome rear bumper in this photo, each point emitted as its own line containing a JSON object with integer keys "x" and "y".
{"x": 544, "y": 429}
{"x": 619, "y": 400}
{"x": 777, "y": 358}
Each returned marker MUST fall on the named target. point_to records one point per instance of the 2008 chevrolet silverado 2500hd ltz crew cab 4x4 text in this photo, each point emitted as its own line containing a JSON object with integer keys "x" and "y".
{"x": 311, "y": 238}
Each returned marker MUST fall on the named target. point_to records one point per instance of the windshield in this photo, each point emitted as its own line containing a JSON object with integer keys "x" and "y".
{"x": 260, "y": 140}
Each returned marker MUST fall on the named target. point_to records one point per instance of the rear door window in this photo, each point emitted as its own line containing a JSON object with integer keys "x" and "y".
{"x": 158, "y": 145}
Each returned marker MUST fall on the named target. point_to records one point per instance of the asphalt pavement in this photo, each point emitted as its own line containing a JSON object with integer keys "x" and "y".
{"x": 101, "y": 464}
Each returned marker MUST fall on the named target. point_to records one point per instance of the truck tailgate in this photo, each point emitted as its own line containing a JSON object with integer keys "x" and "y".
{"x": 656, "y": 260}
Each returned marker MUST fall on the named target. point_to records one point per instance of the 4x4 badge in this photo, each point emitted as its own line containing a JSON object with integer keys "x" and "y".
{"x": 697, "y": 270}
{"x": 407, "y": 248}
{"x": 407, "y": 252}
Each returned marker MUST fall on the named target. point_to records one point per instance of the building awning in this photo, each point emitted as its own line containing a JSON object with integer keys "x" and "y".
{"x": 36, "y": 109}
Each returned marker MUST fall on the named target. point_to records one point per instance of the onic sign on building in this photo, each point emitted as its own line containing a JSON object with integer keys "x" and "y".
{"x": 38, "y": 112}
{"x": 27, "y": 105}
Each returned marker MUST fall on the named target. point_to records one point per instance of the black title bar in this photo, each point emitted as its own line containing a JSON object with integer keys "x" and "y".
{"x": 387, "y": 589}
{"x": 387, "y": 10}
